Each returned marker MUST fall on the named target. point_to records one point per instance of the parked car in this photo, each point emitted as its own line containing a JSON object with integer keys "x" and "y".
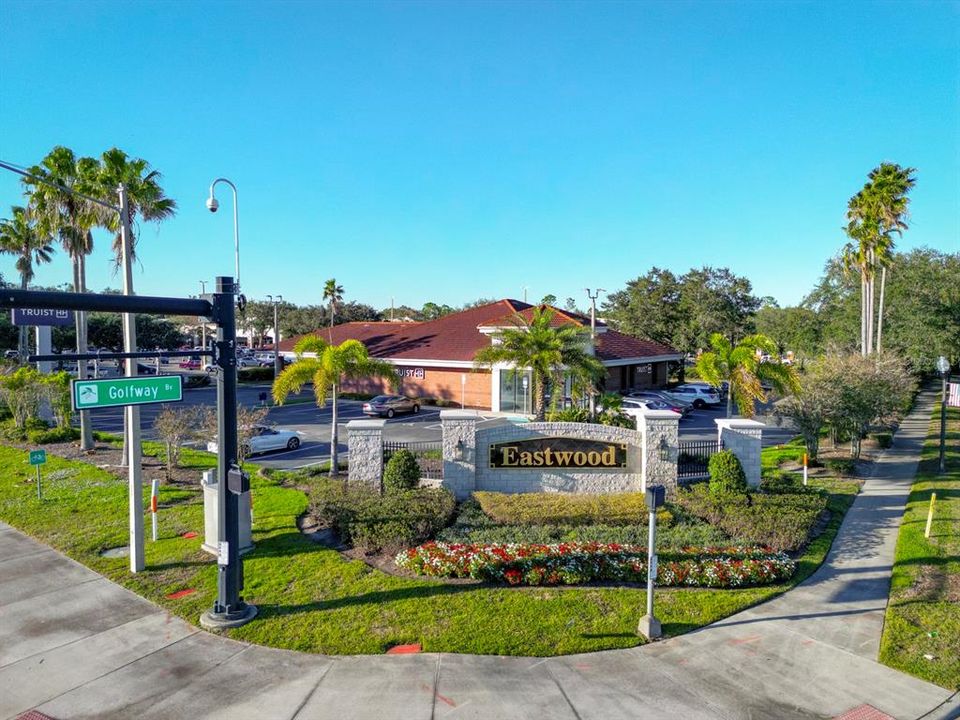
{"x": 263, "y": 438}
{"x": 699, "y": 396}
{"x": 243, "y": 362}
{"x": 190, "y": 364}
{"x": 684, "y": 405}
{"x": 143, "y": 369}
{"x": 390, "y": 405}
{"x": 651, "y": 404}
{"x": 10, "y": 354}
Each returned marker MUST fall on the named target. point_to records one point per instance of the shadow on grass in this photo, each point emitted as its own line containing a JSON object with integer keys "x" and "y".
{"x": 372, "y": 598}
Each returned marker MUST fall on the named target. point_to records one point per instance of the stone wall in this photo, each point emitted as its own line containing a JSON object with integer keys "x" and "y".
{"x": 515, "y": 480}
{"x": 459, "y": 451}
{"x": 660, "y": 433}
{"x": 743, "y": 439}
{"x": 365, "y": 443}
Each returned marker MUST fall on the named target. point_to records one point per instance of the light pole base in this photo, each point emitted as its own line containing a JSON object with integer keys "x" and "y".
{"x": 221, "y": 621}
{"x": 649, "y": 627}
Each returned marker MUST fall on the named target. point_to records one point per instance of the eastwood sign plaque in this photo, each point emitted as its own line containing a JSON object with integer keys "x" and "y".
{"x": 558, "y": 453}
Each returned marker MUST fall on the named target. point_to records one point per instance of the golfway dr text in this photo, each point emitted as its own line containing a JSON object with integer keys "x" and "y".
{"x": 131, "y": 393}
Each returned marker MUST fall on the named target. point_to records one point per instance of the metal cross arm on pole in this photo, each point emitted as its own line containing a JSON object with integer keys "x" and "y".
{"x": 121, "y": 355}
{"x": 137, "y": 304}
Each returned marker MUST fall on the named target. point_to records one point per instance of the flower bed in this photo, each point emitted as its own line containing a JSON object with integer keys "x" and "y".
{"x": 578, "y": 563}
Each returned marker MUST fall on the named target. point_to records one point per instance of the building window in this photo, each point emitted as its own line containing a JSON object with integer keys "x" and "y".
{"x": 514, "y": 397}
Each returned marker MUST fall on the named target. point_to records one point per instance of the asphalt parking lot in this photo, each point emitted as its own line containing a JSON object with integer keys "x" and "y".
{"x": 313, "y": 423}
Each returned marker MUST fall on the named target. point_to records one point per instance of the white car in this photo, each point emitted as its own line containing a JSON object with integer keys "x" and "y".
{"x": 697, "y": 395}
{"x": 263, "y": 438}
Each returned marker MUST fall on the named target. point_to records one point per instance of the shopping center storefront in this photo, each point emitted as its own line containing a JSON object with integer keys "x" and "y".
{"x": 435, "y": 359}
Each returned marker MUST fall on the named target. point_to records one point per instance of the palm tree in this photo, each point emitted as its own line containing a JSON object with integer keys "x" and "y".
{"x": 742, "y": 366}
{"x": 70, "y": 218}
{"x": 328, "y": 367}
{"x": 333, "y": 295}
{"x": 144, "y": 195}
{"x": 550, "y": 352}
{"x": 874, "y": 215}
{"x": 20, "y": 236}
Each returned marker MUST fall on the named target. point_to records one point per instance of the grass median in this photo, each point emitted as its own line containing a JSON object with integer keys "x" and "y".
{"x": 921, "y": 633}
{"x": 313, "y": 599}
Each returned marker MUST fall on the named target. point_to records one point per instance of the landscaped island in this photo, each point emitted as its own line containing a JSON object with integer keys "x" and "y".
{"x": 327, "y": 598}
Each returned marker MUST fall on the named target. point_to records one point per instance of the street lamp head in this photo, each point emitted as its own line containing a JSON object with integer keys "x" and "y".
{"x": 943, "y": 365}
{"x": 212, "y": 204}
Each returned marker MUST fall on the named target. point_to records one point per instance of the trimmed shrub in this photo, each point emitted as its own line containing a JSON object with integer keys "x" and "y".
{"x": 195, "y": 381}
{"x": 567, "y": 509}
{"x": 884, "y": 439}
{"x": 255, "y": 374}
{"x": 841, "y": 466}
{"x": 471, "y": 526}
{"x": 726, "y": 474}
{"x": 54, "y": 435}
{"x": 372, "y": 522}
{"x": 402, "y": 472}
{"x": 782, "y": 521}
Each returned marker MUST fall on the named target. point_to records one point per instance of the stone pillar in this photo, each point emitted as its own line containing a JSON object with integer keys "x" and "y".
{"x": 742, "y": 437}
{"x": 365, "y": 446}
{"x": 660, "y": 440}
{"x": 459, "y": 451}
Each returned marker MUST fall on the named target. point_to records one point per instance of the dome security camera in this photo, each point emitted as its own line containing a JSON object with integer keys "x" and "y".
{"x": 212, "y": 204}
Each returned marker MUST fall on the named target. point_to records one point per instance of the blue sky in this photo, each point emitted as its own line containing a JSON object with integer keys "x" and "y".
{"x": 448, "y": 151}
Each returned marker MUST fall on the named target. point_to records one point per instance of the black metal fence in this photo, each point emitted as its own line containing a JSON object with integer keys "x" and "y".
{"x": 693, "y": 458}
{"x": 429, "y": 456}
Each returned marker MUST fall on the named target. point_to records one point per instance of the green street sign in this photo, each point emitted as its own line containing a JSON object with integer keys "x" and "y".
{"x": 38, "y": 457}
{"x": 92, "y": 394}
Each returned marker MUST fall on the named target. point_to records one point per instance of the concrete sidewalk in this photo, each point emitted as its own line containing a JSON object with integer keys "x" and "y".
{"x": 87, "y": 648}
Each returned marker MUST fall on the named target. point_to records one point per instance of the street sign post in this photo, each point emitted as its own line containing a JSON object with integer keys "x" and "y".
{"x": 93, "y": 394}
{"x": 38, "y": 458}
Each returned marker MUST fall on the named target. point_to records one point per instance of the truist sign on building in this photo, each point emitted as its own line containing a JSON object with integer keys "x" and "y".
{"x": 40, "y": 316}
{"x": 558, "y": 453}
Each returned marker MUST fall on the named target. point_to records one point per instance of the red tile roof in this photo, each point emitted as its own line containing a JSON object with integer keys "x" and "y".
{"x": 613, "y": 345}
{"x": 455, "y": 337}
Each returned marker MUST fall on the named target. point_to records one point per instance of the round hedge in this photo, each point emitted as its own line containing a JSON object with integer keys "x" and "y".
{"x": 726, "y": 474}
{"x": 402, "y": 472}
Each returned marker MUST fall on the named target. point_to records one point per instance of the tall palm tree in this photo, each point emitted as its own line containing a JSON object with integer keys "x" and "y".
{"x": 333, "y": 296}
{"x": 550, "y": 352}
{"x": 145, "y": 197}
{"x": 328, "y": 367}
{"x": 874, "y": 215}
{"x": 20, "y": 236}
{"x": 70, "y": 218}
{"x": 741, "y": 366}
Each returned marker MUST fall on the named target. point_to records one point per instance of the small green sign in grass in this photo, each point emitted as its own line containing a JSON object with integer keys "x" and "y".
{"x": 38, "y": 457}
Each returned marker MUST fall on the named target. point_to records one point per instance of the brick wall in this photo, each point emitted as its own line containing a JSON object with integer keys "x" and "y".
{"x": 442, "y": 383}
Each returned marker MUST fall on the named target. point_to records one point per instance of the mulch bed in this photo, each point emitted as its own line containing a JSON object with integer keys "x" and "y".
{"x": 107, "y": 457}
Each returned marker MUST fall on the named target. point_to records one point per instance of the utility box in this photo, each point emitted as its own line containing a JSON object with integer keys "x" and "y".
{"x": 656, "y": 496}
{"x": 211, "y": 513}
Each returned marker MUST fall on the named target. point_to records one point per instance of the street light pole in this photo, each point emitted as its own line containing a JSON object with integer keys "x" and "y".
{"x": 213, "y": 205}
{"x": 203, "y": 325}
{"x": 131, "y": 412}
{"x": 277, "y": 361}
{"x": 593, "y": 337}
{"x": 943, "y": 365}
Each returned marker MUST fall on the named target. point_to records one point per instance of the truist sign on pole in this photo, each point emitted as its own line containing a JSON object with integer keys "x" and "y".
{"x": 39, "y": 317}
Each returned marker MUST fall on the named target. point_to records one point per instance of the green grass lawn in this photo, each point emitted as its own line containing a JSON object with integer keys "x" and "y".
{"x": 312, "y": 599}
{"x": 923, "y": 617}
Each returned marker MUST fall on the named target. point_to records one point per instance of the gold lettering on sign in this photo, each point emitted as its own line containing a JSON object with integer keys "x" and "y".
{"x": 558, "y": 453}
